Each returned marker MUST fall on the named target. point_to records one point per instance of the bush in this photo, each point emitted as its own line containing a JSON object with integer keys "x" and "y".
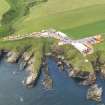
{"x": 8, "y": 17}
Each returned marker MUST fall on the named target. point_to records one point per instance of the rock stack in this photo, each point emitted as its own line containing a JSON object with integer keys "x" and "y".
{"x": 95, "y": 93}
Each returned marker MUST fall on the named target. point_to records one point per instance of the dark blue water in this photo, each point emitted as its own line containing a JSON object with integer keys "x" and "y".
{"x": 65, "y": 90}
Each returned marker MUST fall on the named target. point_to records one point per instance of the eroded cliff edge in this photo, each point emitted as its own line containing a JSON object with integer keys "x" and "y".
{"x": 33, "y": 53}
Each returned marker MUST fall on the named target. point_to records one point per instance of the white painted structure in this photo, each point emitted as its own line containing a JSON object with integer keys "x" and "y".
{"x": 79, "y": 46}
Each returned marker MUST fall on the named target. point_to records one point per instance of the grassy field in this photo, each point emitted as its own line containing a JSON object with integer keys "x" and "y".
{"x": 4, "y": 6}
{"x": 77, "y": 19}
{"x": 68, "y": 17}
{"x": 8, "y": 12}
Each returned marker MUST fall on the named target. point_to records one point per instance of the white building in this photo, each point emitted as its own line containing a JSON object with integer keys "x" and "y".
{"x": 81, "y": 47}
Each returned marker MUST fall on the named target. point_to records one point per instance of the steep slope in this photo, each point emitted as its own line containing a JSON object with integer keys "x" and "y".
{"x": 17, "y": 10}
{"x": 4, "y": 6}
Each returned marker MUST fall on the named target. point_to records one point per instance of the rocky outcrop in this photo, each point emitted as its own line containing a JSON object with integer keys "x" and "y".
{"x": 32, "y": 74}
{"x": 61, "y": 64}
{"x": 3, "y": 53}
{"x": 47, "y": 81}
{"x": 26, "y": 59}
{"x": 48, "y": 54}
{"x": 94, "y": 93}
{"x": 12, "y": 57}
{"x": 73, "y": 73}
{"x": 99, "y": 66}
{"x": 77, "y": 74}
{"x": 103, "y": 71}
{"x": 83, "y": 77}
{"x": 31, "y": 80}
{"x": 56, "y": 50}
{"x": 28, "y": 63}
{"x": 26, "y": 56}
{"x": 90, "y": 80}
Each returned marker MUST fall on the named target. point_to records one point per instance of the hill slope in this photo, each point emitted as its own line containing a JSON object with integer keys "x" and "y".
{"x": 77, "y": 17}
{"x": 4, "y": 6}
{"x": 65, "y": 16}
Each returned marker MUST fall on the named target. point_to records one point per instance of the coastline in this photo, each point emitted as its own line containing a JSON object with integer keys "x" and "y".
{"x": 33, "y": 56}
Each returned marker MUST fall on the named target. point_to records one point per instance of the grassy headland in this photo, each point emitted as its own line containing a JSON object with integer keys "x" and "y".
{"x": 77, "y": 19}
